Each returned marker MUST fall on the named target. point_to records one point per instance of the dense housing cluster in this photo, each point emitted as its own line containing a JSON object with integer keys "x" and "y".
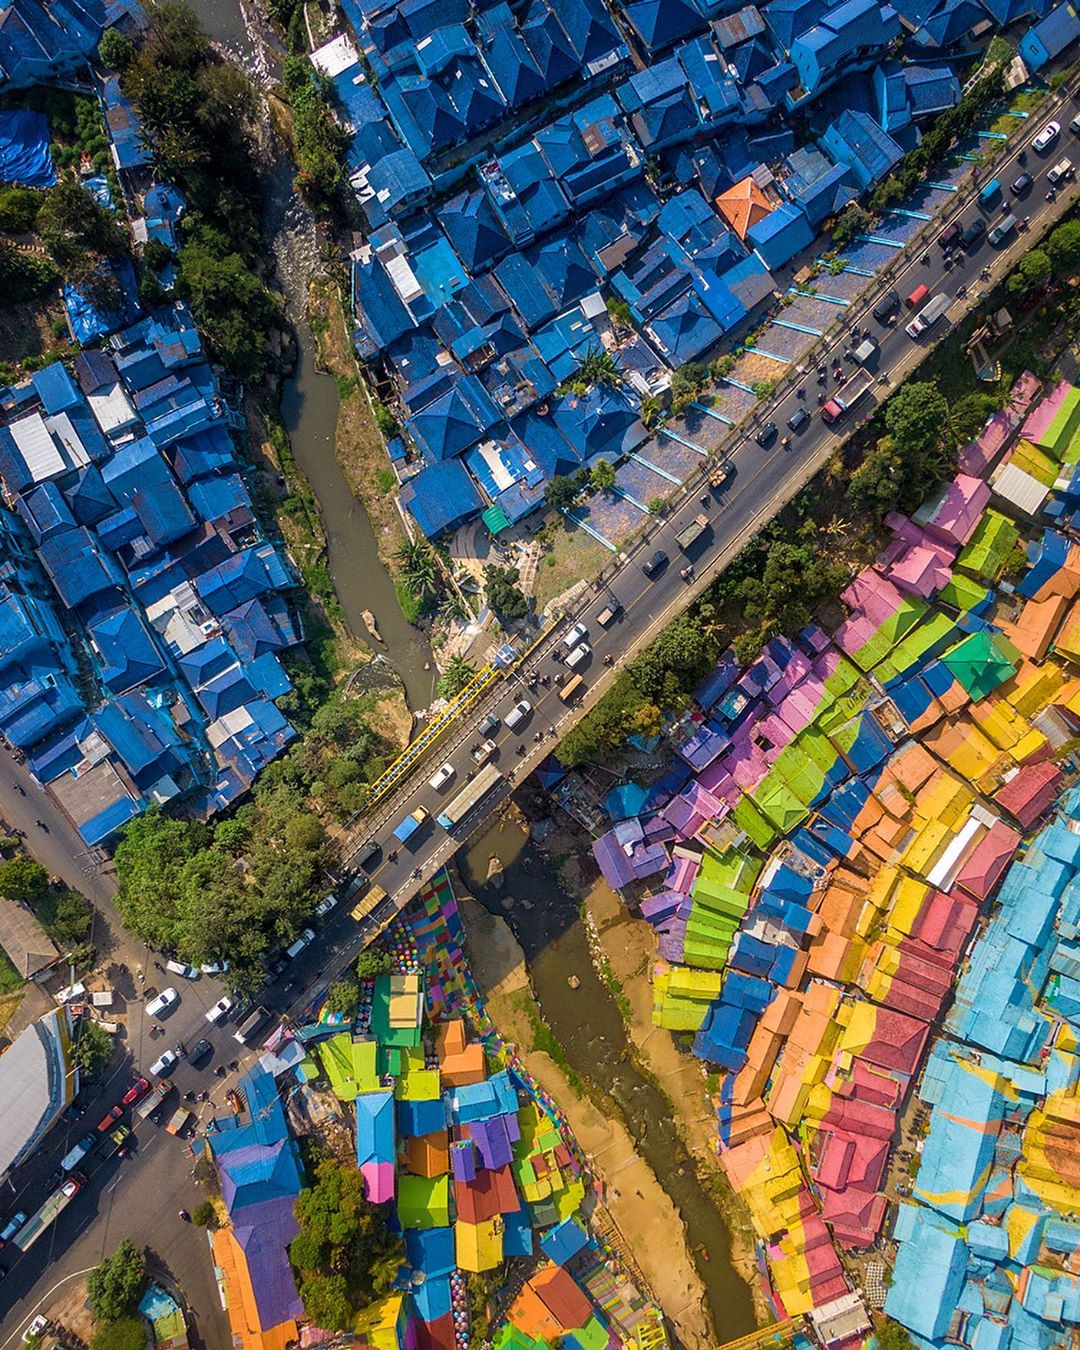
{"x": 143, "y": 609}
{"x": 840, "y": 817}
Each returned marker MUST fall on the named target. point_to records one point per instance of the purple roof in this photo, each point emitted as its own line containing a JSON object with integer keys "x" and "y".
{"x": 495, "y": 1139}
{"x": 463, "y": 1158}
{"x": 624, "y": 855}
{"x": 264, "y": 1235}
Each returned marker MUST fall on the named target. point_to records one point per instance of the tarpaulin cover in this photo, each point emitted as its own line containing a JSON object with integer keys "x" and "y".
{"x": 24, "y": 148}
{"x": 87, "y": 323}
{"x": 98, "y": 187}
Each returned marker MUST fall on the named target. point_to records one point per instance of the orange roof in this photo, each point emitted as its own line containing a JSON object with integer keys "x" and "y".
{"x": 429, "y": 1154}
{"x": 242, "y": 1311}
{"x": 459, "y": 1062}
{"x": 1037, "y": 623}
{"x": 743, "y": 206}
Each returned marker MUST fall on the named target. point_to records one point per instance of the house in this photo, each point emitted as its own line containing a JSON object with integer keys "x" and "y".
{"x": 1050, "y": 36}
{"x": 781, "y": 235}
{"x": 855, "y": 140}
{"x": 849, "y": 34}
{"x": 29, "y": 948}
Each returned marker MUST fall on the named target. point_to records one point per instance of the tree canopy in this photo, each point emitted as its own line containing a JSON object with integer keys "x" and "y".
{"x": 93, "y": 1049}
{"x": 503, "y": 592}
{"x": 24, "y": 880}
{"x": 113, "y": 1289}
{"x": 343, "y": 1253}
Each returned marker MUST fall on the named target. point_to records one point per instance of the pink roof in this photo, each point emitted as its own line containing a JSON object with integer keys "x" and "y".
{"x": 897, "y": 1042}
{"x": 956, "y": 512}
{"x": 871, "y": 594}
{"x": 920, "y": 571}
{"x": 860, "y": 1119}
{"x": 1030, "y": 792}
{"x": 1038, "y": 422}
{"x": 854, "y": 633}
{"x": 379, "y": 1179}
{"x": 684, "y": 869}
{"x": 982, "y": 870}
{"x": 977, "y": 456}
{"x": 1022, "y": 395}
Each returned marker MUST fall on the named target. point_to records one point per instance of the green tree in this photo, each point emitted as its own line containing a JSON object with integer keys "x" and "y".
{"x": 65, "y": 915}
{"x": 687, "y": 382}
{"x": 205, "y": 1215}
{"x": 917, "y": 415}
{"x": 371, "y": 963}
{"x": 19, "y": 209}
{"x": 680, "y": 655}
{"x": 562, "y": 493}
{"x": 419, "y": 569}
{"x": 1033, "y": 270}
{"x": 231, "y": 305}
{"x": 343, "y": 1252}
{"x": 23, "y": 275}
{"x": 602, "y": 476}
{"x": 116, "y": 51}
{"x": 892, "y": 1336}
{"x": 1063, "y": 246}
{"x": 503, "y": 592}
{"x": 342, "y": 996}
{"x": 24, "y": 880}
{"x": 455, "y": 677}
{"x": 127, "y": 1333}
{"x": 153, "y": 850}
{"x": 600, "y": 367}
{"x": 113, "y": 1289}
{"x": 93, "y": 1049}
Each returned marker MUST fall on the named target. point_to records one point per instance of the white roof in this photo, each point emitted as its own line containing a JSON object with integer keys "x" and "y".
{"x": 69, "y": 438}
{"x": 337, "y": 55}
{"x": 1019, "y": 489}
{"x": 39, "y": 451}
{"x": 111, "y": 408}
{"x": 34, "y": 1087}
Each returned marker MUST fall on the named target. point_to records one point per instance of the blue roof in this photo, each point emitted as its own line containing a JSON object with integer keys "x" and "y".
{"x": 127, "y": 652}
{"x": 928, "y": 1274}
{"x": 474, "y": 228}
{"x": 375, "y": 1135}
{"x": 441, "y": 497}
{"x": 661, "y": 22}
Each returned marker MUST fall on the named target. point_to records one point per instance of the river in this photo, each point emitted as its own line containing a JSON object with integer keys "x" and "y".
{"x": 309, "y": 405}
{"x": 553, "y": 939}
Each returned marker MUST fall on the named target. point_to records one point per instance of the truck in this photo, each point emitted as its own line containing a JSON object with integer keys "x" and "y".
{"x": 178, "y": 1121}
{"x": 471, "y": 796}
{"x": 412, "y": 822}
{"x": 928, "y": 315}
{"x": 849, "y": 393}
{"x": 482, "y": 752}
{"x": 72, "y": 1159}
{"x": 1062, "y": 169}
{"x": 865, "y": 352}
{"x": 720, "y": 473}
{"x": 152, "y": 1101}
{"x": 609, "y": 613}
{"x": 690, "y": 534}
{"x": 115, "y": 1141}
{"x": 990, "y": 192}
{"x": 368, "y": 904}
{"x": 49, "y": 1212}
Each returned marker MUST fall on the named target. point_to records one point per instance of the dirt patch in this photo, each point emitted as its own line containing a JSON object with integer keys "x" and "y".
{"x": 573, "y": 555}
{"x": 637, "y": 1204}
{"x": 27, "y": 330}
{"x": 358, "y": 445}
{"x": 69, "y": 1311}
{"x": 752, "y": 367}
{"x": 391, "y": 718}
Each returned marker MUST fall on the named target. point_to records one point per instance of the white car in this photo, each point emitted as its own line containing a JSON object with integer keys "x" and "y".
{"x": 442, "y": 777}
{"x": 179, "y": 968}
{"x": 165, "y": 1064}
{"x": 221, "y": 1009}
{"x": 168, "y": 998}
{"x": 214, "y": 967}
{"x": 1047, "y": 136}
{"x": 325, "y": 905}
{"x": 575, "y": 635}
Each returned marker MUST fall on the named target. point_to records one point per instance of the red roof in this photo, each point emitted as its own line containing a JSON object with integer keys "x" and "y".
{"x": 437, "y": 1335}
{"x": 1030, "y": 792}
{"x": 982, "y": 871}
{"x": 493, "y": 1192}
{"x": 945, "y": 921}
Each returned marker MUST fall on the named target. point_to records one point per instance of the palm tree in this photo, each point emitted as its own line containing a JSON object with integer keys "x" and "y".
{"x": 599, "y": 367}
{"x": 452, "y": 608}
{"x": 455, "y": 677}
{"x": 419, "y": 570}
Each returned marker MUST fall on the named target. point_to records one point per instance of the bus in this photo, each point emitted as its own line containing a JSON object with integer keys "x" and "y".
{"x": 29, "y": 1233}
{"x": 455, "y": 811}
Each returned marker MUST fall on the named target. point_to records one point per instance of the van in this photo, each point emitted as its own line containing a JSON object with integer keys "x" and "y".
{"x": 325, "y": 905}
{"x": 178, "y": 968}
{"x": 250, "y": 1025}
{"x": 71, "y": 1160}
{"x": 581, "y": 653}
{"x": 306, "y": 938}
{"x": 885, "y": 306}
{"x": 928, "y": 315}
{"x": 990, "y": 192}
{"x": 950, "y": 235}
{"x": 917, "y": 296}
{"x": 973, "y": 232}
{"x": 1002, "y": 230}
{"x": 517, "y": 714}
{"x": 571, "y": 689}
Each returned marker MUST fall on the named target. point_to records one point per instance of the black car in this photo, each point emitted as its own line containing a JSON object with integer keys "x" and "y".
{"x": 885, "y": 306}
{"x": 202, "y": 1051}
{"x": 766, "y": 434}
{"x": 654, "y": 563}
{"x": 1022, "y": 184}
{"x": 949, "y": 237}
{"x": 277, "y": 965}
{"x": 799, "y": 419}
{"x": 972, "y": 234}
{"x": 489, "y": 724}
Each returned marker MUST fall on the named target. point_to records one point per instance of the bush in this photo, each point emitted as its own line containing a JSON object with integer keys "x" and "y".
{"x": 503, "y": 592}
{"x": 23, "y": 880}
{"x": 93, "y": 1049}
{"x": 24, "y": 276}
{"x": 116, "y": 51}
{"x": 19, "y": 209}
{"x": 126, "y": 1333}
{"x": 205, "y": 1215}
{"x": 342, "y": 996}
{"x": 371, "y": 963}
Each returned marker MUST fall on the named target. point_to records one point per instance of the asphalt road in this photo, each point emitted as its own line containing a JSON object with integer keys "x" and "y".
{"x": 763, "y": 479}
{"x": 140, "y": 1195}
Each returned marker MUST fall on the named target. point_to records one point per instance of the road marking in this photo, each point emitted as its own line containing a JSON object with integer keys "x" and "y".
{"x": 75, "y": 1275}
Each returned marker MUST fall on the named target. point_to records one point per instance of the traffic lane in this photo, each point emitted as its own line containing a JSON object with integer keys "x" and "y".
{"x": 137, "y": 1197}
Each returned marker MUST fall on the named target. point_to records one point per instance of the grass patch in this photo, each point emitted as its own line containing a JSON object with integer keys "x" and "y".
{"x": 545, "y": 1040}
{"x": 10, "y": 979}
{"x": 411, "y": 607}
{"x": 385, "y": 480}
{"x": 574, "y": 555}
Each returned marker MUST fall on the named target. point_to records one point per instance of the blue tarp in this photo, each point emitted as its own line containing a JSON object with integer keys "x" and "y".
{"x": 24, "y": 149}
{"x": 87, "y": 323}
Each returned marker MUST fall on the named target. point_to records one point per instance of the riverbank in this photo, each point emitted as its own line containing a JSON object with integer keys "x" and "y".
{"x": 358, "y": 444}
{"x": 642, "y": 1211}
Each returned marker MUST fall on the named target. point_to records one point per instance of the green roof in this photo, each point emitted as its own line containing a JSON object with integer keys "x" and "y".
{"x": 981, "y": 662}
{"x": 423, "y": 1202}
{"x": 916, "y": 645}
{"x": 495, "y": 520}
{"x": 350, "y": 1065}
{"x": 962, "y": 593}
{"x": 989, "y": 546}
{"x": 749, "y": 818}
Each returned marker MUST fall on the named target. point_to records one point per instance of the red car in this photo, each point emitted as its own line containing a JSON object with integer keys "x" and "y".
{"x": 110, "y": 1120}
{"x": 137, "y": 1090}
